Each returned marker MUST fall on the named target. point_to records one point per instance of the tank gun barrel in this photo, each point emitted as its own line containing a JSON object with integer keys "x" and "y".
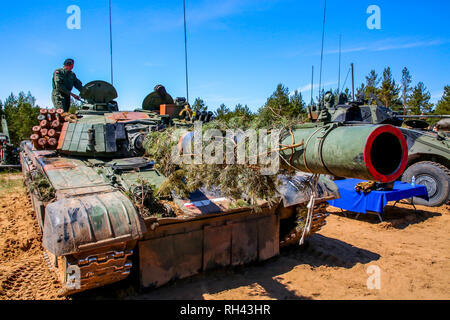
{"x": 369, "y": 152}
{"x": 372, "y": 152}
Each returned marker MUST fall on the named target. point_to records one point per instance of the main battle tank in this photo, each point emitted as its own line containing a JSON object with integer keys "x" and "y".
{"x": 94, "y": 196}
{"x": 429, "y": 152}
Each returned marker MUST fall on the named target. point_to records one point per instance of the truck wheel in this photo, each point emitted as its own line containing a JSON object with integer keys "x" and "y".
{"x": 435, "y": 177}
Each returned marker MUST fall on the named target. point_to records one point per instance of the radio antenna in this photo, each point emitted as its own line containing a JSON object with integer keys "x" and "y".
{"x": 340, "y": 51}
{"x": 312, "y": 86}
{"x": 353, "y": 82}
{"x": 321, "y": 55}
{"x": 186, "y": 52}
{"x": 111, "y": 42}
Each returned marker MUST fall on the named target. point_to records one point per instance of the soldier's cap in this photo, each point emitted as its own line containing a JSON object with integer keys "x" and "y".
{"x": 69, "y": 62}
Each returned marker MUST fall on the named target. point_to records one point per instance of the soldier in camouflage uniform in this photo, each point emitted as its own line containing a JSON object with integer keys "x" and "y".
{"x": 158, "y": 97}
{"x": 63, "y": 82}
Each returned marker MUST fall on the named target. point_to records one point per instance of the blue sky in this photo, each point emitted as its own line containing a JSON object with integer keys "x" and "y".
{"x": 239, "y": 49}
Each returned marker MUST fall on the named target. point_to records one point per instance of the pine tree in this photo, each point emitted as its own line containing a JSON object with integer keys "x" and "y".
{"x": 21, "y": 115}
{"x": 281, "y": 105}
{"x": 297, "y": 105}
{"x": 420, "y": 99}
{"x": 361, "y": 92}
{"x": 199, "y": 105}
{"x": 389, "y": 91}
{"x": 372, "y": 82}
{"x": 443, "y": 105}
{"x": 222, "y": 112}
{"x": 240, "y": 110}
{"x": 406, "y": 87}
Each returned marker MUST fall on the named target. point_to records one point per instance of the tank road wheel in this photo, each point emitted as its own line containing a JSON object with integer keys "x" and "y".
{"x": 85, "y": 271}
{"x": 435, "y": 177}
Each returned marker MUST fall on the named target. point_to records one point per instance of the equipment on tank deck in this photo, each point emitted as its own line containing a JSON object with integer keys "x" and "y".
{"x": 158, "y": 97}
{"x": 443, "y": 125}
{"x": 428, "y": 151}
{"x": 94, "y": 197}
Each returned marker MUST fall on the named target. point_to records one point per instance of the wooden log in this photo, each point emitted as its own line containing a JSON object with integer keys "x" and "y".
{"x": 44, "y": 132}
{"x": 42, "y": 142}
{"x": 52, "y": 133}
{"x": 52, "y": 142}
{"x": 45, "y": 124}
{"x": 52, "y": 112}
{"x": 37, "y": 130}
{"x": 34, "y": 139}
{"x": 56, "y": 124}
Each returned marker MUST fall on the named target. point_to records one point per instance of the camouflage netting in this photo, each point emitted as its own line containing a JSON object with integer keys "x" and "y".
{"x": 238, "y": 182}
{"x": 42, "y": 187}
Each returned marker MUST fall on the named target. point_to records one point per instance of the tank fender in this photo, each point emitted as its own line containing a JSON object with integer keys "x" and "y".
{"x": 87, "y": 222}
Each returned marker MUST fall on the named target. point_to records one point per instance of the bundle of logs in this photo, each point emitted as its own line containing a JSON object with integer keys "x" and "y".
{"x": 45, "y": 136}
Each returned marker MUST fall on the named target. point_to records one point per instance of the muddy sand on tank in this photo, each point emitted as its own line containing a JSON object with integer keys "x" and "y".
{"x": 411, "y": 251}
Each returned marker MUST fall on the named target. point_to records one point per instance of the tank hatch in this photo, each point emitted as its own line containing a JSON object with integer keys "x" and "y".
{"x": 99, "y": 92}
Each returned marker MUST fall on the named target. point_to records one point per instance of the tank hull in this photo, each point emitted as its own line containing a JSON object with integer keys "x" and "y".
{"x": 91, "y": 231}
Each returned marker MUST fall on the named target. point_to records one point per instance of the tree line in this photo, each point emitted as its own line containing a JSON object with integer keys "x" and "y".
{"x": 21, "y": 111}
{"x": 401, "y": 97}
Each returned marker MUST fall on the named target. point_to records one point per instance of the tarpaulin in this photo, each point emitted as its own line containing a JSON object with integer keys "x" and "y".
{"x": 375, "y": 201}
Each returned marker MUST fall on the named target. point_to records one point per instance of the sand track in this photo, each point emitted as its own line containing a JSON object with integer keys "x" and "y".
{"x": 23, "y": 271}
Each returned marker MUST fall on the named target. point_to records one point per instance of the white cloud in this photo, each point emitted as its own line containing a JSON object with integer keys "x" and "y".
{"x": 307, "y": 88}
{"x": 392, "y": 44}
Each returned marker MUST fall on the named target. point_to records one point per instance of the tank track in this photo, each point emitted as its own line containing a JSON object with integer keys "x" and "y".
{"x": 319, "y": 220}
{"x": 82, "y": 272}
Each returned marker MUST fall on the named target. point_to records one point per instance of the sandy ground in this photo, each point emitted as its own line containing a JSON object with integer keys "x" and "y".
{"x": 23, "y": 272}
{"x": 409, "y": 251}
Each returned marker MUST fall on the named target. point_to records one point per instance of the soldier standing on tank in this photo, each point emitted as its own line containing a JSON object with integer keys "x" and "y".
{"x": 63, "y": 82}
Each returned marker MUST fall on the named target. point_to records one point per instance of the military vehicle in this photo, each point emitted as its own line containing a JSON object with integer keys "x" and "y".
{"x": 429, "y": 152}
{"x": 93, "y": 196}
{"x": 9, "y": 157}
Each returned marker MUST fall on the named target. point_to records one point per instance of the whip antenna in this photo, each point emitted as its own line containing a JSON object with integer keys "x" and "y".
{"x": 111, "y": 42}
{"x": 321, "y": 55}
{"x": 346, "y": 77}
{"x": 339, "y": 76}
{"x": 312, "y": 86}
{"x": 186, "y": 52}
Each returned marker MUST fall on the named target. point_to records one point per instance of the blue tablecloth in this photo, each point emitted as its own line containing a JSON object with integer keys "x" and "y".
{"x": 375, "y": 200}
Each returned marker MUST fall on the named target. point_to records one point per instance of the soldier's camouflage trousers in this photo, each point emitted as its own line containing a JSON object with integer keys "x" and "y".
{"x": 61, "y": 101}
